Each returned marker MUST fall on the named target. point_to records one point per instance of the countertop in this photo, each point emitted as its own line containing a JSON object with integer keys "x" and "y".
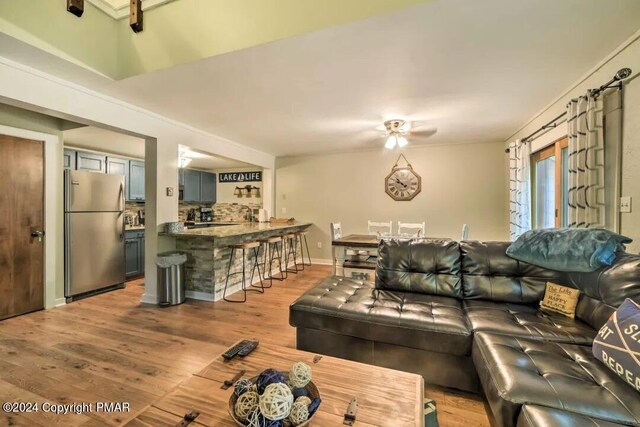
{"x": 237, "y": 230}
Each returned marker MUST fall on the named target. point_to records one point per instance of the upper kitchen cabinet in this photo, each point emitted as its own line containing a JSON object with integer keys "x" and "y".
{"x": 136, "y": 181}
{"x": 116, "y": 166}
{"x": 207, "y": 187}
{"x": 91, "y": 162}
{"x": 191, "y": 185}
{"x": 69, "y": 158}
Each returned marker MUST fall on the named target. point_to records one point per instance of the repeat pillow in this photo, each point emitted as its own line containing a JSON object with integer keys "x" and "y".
{"x": 618, "y": 343}
{"x": 560, "y": 299}
{"x": 568, "y": 249}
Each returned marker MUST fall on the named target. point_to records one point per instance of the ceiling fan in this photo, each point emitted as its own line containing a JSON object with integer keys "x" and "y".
{"x": 397, "y": 131}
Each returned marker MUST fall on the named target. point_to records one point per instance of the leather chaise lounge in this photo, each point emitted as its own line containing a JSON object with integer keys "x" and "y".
{"x": 465, "y": 315}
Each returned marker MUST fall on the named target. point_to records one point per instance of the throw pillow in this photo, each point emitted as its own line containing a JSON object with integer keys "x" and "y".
{"x": 560, "y": 299}
{"x": 618, "y": 343}
{"x": 568, "y": 249}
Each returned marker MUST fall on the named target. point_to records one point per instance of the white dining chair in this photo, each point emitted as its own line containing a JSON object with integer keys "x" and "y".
{"x": 336, "y": 230}
{"x": 379, "y": 228}
{"x": 465, "y": 232}
{"x": 410, "y": 229}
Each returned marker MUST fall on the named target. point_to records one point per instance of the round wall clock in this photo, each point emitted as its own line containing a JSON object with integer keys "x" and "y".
{"x": 403, "y": 183}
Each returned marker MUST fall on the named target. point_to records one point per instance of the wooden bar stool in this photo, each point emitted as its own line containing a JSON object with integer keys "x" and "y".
{"x": 256, "y": 265}
{"x": 271, "y": 247}
{"x": 302, "y": 235}
{"x": 290, "y": 249}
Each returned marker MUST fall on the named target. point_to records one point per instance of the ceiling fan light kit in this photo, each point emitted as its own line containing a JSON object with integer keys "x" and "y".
{"x": 396, "y": 129}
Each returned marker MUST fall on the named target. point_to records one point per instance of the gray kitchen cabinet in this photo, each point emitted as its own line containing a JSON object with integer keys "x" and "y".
{"x": 191, "y": 183}
{"x": 116, "y": 166}
{"x": 134, "y": 253}
{"x": 69, "y": 158}
{"x": 207, "y": 187}
{"x": 91, "y": 162}
{"x": 136, "y": 181}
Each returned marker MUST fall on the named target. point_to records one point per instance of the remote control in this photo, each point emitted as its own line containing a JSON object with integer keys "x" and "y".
{"x": 248, "y": 348}
{"x": 233, "y": 351}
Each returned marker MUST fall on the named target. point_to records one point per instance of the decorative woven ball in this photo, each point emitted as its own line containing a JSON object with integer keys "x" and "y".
{"x": 243, "y": 386}
{"x": 298, "y": 392}
{"x": 299, "y": 413}
{"x": 275, "y": 402}
{"x": 303, "y": 399}
{"x": 256, "y": 419}
{"x": 246, "y": 404}
{"x": 299, "y": 375}
{"x": 269, "y": 376}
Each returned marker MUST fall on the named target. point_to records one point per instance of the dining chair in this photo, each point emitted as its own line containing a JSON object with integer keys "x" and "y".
{"x": 336, "y": 230}
{"x": 465, "y": 232}
{"x": 379, "y": 228}
{"x": 412, "y": 229}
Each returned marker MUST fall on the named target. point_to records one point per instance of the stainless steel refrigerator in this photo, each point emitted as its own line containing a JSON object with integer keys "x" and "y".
{"x": 94, "y": 258}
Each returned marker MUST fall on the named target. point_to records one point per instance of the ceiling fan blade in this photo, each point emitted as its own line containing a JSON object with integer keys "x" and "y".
{"x": 425, "y": 132}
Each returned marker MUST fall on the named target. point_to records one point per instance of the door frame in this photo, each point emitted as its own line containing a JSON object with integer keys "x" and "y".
{"x": 53, "y": 218}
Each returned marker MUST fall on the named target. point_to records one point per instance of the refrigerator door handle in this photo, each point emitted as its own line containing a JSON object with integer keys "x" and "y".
{"x": 122, "y": 202}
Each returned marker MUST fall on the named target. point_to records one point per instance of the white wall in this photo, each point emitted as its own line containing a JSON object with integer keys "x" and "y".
{"x": 627, "y": 55}
{"x": 461, "y": 183}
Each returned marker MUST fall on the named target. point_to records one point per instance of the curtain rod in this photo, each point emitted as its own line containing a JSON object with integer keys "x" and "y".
{"x": 622, "y": 74}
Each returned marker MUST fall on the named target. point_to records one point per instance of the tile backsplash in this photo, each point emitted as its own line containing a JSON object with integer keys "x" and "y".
{"x": 222, "y": 212}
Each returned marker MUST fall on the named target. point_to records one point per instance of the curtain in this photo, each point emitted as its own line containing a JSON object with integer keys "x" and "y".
{"x": 587, "y": 207}
{"x": 519, "y": 188}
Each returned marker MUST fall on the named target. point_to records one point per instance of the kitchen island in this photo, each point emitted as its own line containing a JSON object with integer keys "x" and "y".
{"x": 208, "y": 255}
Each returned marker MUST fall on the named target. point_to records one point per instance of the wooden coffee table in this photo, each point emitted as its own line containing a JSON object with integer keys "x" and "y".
{"x": 385, "y": 397}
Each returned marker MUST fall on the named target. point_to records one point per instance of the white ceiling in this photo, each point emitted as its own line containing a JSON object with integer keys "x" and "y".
{"x": 119, "y": 9}
{"x": 476, "y": 70}
{"x": 106, "y": 141}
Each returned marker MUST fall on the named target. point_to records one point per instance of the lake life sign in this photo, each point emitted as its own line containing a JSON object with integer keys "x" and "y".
{"x": 240, "y": 176}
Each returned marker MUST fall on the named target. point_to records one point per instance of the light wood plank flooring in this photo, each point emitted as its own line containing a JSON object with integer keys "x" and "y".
{"x": 112, "y": 348}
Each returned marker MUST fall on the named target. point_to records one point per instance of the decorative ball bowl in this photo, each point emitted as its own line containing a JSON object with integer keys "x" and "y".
{"x": 311, "y": 392}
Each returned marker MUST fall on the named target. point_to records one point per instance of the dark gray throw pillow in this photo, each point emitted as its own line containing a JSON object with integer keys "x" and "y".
{"x": 568, "y": 249}
{"x": 618, "y": 343}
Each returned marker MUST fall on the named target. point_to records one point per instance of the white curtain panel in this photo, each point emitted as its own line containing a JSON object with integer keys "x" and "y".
{"x": 585, "y": 120}
{"x": 519, "y": 188}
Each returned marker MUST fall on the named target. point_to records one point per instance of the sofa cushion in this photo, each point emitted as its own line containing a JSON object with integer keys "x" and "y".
{"x": 526, "y": 321}
{"x": 514, "y": 371}
{"x": 605, "y": 290}
{"x": 357, "y": 309}
{"x": 539, "y": 416}
{"x": 426, "y": 266}
{"x": 489, "y": 274}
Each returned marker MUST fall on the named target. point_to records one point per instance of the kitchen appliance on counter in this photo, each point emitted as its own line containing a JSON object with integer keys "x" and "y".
{"x": 191, "y": 215}
{"x": 94, "y": 211}
{"x": 263, "y": 215}
{"x": 206, "y": 215}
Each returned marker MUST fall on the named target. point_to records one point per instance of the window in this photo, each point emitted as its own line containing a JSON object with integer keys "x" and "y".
{"x": 550, "y": 185}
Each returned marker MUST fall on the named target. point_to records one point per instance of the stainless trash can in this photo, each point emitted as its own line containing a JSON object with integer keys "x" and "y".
{"x": 171, "y": 278}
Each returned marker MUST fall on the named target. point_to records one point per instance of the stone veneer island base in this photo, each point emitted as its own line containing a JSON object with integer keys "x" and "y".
{"x": 208, "y": 255}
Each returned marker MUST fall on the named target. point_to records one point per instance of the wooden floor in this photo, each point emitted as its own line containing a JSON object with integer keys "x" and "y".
{"x": 111, "y": 348}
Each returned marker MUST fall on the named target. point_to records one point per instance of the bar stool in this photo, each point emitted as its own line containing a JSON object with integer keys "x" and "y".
{"x": 271, "y": 246}
{"x": 291, "y": 249}
{"x": 256, "y": 253}
{"x": 302, "y": 235}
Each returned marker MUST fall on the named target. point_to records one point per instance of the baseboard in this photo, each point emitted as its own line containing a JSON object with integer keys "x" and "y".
{"x": 149, "y": 299}
{"x": 201, "y": 296}
{"x": 320, "y": 261}
{"x": 59, "y": 302}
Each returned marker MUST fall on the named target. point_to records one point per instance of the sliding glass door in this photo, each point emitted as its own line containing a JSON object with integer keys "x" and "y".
{"x": 550, "y": 184}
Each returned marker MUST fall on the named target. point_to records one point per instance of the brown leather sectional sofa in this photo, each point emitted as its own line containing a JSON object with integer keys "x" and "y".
{"x": 465, "y": 315}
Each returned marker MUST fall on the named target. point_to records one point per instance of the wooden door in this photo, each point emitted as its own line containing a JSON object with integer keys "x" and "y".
{"x": 21, "y": 215}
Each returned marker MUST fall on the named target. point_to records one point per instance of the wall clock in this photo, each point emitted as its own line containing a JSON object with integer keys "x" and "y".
{"x": 403, "y": 183}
